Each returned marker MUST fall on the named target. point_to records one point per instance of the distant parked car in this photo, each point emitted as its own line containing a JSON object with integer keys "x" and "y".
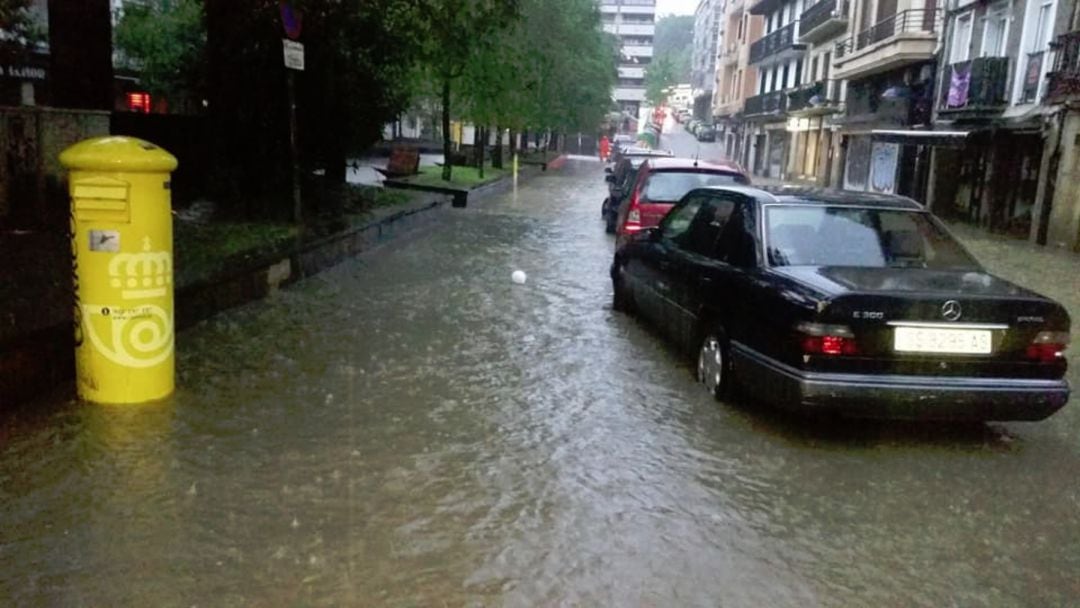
{"x": 843, "y": 302}
{"x": 621, "y": 179}
{"x": 692, "y": 126}
{"x": 661, "y": 182}
{"x": 705, "y": 132}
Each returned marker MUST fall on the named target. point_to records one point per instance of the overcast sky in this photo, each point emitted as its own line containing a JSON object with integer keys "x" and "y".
{"x": 675, "y": 7}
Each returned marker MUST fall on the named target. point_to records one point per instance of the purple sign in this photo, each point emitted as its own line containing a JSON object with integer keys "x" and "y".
{"x": 959, "y": 83}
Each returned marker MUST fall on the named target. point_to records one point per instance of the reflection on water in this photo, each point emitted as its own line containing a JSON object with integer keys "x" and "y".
{"x": 413, "y": 429}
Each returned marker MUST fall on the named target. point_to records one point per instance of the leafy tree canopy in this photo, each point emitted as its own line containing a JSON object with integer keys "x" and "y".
{"x": 19, "y": 24}
{"x": 674, "y": 40}
{"x": 659, "y": 77}
{"x": 165, "y": 42}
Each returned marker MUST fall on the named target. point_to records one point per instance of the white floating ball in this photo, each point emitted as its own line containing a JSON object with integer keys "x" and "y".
{"x": 518, "y": 277}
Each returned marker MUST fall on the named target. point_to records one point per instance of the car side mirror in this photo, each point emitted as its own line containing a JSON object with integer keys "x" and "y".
{"x": 607, "y": 169}
{"x": 609, "y": 179}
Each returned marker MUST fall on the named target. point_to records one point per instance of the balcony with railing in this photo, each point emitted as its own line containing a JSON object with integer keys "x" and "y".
{"x": 823, "y": 19}
{"x": 1063, "y": 81}
{"x": 812, "y": 99}
{"x": 777, "y": 46}
{"x": 902, "y": 39}
{"x": 976, "y": 87}
{"x": 766, "y": 104}
{"x": 728, "y": 54}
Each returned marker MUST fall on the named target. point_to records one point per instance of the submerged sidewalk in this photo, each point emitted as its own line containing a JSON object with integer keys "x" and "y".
{"x": 36, "y": 350}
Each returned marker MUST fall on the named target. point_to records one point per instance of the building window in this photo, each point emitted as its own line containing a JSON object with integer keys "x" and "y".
{"x": 995, "y": 31}
{"x": 1038, "y": 27}
{"x": 1043, "y": 26}
{"x": 961, "y": 38}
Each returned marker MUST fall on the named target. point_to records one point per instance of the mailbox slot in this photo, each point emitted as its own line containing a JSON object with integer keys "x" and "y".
{"x": 101, "y": 200}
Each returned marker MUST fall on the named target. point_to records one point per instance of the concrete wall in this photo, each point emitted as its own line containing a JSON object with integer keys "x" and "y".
{"x": 32, "y": 192}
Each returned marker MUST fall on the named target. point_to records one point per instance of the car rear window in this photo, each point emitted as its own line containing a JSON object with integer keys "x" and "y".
{"x": 858, "y": 236}
{"x": 673, "y": 185}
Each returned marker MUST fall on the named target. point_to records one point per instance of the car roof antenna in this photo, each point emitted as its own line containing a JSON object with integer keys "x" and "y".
{"x": 697, "y": 153}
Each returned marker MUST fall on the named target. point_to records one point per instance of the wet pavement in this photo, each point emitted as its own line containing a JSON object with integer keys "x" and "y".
{"x": 677, "y": 139}
{"x": 411, "y": 428}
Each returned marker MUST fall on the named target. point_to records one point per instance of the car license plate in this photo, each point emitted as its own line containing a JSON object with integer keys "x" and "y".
{"x": 940, "y": 340}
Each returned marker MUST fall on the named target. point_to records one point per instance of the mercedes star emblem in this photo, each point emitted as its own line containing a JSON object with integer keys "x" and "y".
{"x": 951, "y": 310}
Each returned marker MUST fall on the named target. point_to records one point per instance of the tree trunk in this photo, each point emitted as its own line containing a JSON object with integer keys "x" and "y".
{"x": 481, "y": 143}
{"x": 496, "y": 157}
{"x": 447, "y": 152}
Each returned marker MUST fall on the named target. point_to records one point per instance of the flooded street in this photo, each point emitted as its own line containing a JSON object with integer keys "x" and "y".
{"x": 411, "y": 428}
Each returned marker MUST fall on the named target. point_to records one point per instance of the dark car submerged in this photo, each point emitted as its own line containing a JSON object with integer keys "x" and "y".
{"x": 844, "y": 302}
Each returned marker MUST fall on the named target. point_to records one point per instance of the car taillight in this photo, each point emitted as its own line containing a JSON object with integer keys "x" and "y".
{"x": 1048, "y": 346}
{"x": 633, "y": 216}
{"x": 824, "y": 339}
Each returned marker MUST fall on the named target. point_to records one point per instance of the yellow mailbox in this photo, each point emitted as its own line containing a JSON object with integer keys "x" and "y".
{"x": 121, "y": 244}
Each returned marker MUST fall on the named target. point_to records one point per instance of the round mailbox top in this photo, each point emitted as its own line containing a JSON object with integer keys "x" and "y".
{"x": 115, "y": 153}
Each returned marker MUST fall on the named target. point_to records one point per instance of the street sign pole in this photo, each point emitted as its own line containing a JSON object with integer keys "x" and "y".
{"x": 294, "y": 62}
{"x": 297, "y": 207}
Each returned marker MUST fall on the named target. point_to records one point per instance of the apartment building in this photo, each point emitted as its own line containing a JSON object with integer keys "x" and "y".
{"x": 778, "y": 58}
{"x": 969, "y": 106}
{"x": 1056, "y": 211}
{"x": 815, "y": 104}
{"x": 634, "y": 22}
{"x": 989, "y": 115}
{"x": 707, "y": 21}
{"x": 736, "y": 79}
{"x": 889, "y": 62}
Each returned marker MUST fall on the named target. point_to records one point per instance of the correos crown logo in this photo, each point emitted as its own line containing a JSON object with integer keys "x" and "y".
{"x": 140, "y": 334}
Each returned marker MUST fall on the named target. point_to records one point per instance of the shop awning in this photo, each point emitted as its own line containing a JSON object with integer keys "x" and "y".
{"x": 924, "y": 137}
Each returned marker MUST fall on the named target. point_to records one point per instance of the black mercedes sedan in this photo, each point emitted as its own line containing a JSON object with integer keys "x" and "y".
{"x": 844, "y": 302}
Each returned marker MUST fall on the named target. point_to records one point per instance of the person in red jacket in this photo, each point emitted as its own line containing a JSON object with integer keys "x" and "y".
{"x": 605, "y": 148}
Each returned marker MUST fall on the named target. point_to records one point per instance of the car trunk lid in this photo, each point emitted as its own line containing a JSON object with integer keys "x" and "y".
{"x": 917, "y": 321}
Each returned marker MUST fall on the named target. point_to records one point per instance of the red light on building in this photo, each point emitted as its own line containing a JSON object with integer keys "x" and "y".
{"x": 139, "y": 102}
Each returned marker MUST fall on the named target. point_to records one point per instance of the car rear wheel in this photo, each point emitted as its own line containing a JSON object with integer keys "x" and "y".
{"x": 714, "y": 363}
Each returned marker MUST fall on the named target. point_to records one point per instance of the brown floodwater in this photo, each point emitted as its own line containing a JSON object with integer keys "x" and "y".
{"x": 411, "y": 428}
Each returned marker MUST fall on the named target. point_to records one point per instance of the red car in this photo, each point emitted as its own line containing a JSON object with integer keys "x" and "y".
{"x": 662, "y": 182}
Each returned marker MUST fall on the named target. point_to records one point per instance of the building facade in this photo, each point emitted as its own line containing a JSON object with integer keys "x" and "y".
{"x": 1056, "y": 214}
{"x": 889, "y": 64}
{"x": 707, "y": 22}
{"x": 634, "y": 23}
{"x": 990, "y": 89}
{"x": 814, "y": 107}
{"x": 736, "y": 79}
{"x": 778, "y": 57}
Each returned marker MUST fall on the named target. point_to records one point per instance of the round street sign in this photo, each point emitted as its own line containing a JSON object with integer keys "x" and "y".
{"x": 292, "y": 20}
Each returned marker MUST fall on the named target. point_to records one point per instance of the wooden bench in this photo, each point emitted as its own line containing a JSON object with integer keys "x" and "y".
{"x": 404, "y": 161}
